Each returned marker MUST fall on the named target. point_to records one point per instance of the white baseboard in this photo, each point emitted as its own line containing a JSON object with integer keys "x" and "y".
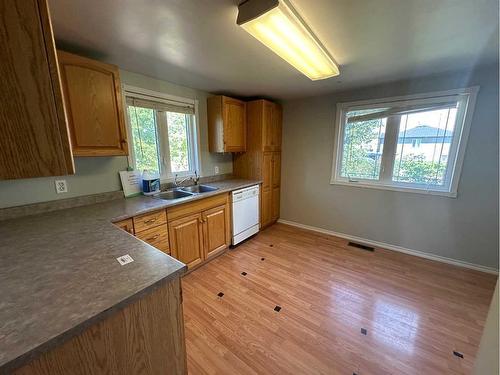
{"x": 387, "y": 246}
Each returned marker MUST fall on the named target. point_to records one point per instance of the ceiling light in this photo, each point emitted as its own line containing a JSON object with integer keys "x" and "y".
{"x": 277, "y": 25}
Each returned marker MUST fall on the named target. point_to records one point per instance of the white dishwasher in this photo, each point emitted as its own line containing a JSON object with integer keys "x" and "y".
{"x": 245, "y": 213}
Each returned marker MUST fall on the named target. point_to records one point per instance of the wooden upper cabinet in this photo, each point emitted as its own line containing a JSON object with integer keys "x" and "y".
{"x": 34, "y": 134}
{"x": 271, "y": 126}
{"x": 277, "y": 127}
{"x": 93, "y": 100}
{"x": 226, "y": 124}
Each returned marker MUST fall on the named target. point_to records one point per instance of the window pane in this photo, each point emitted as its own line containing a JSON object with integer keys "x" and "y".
{"x": 423, "y": 147}
{"x": 178, "y": 141}
{"x": 144, "y": 138}
{"x": 362, "y": 147}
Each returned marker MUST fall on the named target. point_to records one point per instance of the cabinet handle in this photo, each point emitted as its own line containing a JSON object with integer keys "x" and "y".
{"x": 150, "y": 221}
{"x": 152, "y": 238}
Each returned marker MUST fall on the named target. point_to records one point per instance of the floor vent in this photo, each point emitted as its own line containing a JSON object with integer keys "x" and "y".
{"x": 361, "y": 246}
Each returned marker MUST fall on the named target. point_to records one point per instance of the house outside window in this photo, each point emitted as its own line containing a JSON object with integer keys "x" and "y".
{"x": 163, "y": 132}
{"x": 413, "y": 143}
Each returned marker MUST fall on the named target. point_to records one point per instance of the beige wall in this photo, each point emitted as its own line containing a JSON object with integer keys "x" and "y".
{"x": 98, "y": 175}
{"x": 487, "y": 355}
{"x": 465, "y": 228}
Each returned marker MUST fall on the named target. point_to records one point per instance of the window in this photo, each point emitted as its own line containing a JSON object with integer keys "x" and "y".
{"x": 413, "y": 143}
{"x": 163, "y": 133}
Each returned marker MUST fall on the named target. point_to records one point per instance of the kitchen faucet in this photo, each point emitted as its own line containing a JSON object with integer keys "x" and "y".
{"x": 195, "y": 179}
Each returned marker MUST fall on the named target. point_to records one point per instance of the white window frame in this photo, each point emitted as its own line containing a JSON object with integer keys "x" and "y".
{"x": 162, "y": 132}
{"x": 459, "y": 142}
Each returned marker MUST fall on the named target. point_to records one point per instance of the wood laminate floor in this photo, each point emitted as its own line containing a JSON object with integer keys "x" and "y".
{"x": 416, "y": 312}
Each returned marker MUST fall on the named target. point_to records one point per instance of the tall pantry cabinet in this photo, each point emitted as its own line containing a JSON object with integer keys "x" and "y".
{"x": 262, "y": 159}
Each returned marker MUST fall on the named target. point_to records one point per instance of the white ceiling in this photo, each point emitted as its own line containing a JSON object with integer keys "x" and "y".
{"x": 197, "y": 43}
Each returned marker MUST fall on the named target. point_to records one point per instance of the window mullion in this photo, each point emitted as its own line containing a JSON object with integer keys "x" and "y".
{"x": 390, "y": 148}
{"x": 163, "y": 143}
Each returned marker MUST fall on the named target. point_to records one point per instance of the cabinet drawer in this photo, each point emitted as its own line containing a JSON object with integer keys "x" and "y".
{"x": 157, "y": 237}
{"x": 149, "y": 220}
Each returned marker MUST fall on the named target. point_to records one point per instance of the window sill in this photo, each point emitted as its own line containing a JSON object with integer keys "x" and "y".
{"x": 448, "y": 194}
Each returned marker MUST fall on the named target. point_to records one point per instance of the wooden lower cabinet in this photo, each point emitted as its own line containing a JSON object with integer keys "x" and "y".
{"x": 149, "y": 220}
{"x": 216, "y": 231}
{"x": 157, "y": 237}
{"x": 192, "y": 232}
{"x": 145, "y": 337}
{"x": 199, "y": 230}
{"x": 186, "y": 239}
{"x": 127, "y": 225}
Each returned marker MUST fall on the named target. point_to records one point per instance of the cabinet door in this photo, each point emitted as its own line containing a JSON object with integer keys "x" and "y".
{"x": 275, "y": 204}
{"x": 215, "y": 230}
{"x": 126, "y": 225}
{"x": 277, "y": 120}
{"x": 234, "y": 125}
{"x": 93, "y": 101}
{"x": 276, "y": 167}
{"x": 34, "y": 138}
{"x": 267, "y": 170}
{"x": 267, "y": 126}
{"x": 186, "y": 239}
{"x": 265, "y": 207}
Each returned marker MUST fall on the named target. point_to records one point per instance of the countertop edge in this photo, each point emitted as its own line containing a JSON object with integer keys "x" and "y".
{"x": 58, "y": 340}
{"x": 177, "y": 202}
{"x": 62, "y": 338}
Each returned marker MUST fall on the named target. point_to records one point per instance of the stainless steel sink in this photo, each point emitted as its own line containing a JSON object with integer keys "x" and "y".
{"x": 197, "y": 189}
{"x": 172, "y": 194}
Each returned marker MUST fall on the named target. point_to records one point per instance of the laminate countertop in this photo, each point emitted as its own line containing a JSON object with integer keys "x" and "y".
{"x": 59, "y": 273}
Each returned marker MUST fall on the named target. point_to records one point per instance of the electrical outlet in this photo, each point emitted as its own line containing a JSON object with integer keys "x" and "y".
{"x": 124, "y": 259}
{"x": 61, "y": 186}
{"x": 216, "y": 169}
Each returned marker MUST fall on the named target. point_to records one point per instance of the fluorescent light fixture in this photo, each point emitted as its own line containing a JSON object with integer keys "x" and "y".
{"x": 277, "y": 25}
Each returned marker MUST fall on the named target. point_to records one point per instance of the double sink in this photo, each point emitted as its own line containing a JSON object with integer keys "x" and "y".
{"x": 183, "y": 192}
